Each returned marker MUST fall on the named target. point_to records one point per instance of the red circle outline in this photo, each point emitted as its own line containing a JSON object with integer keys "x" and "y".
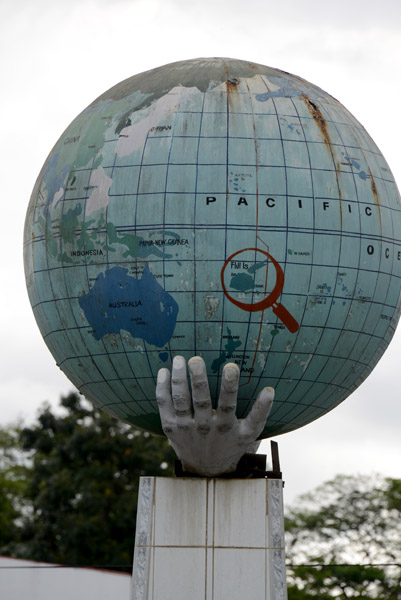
{"x": 271, "y": 298}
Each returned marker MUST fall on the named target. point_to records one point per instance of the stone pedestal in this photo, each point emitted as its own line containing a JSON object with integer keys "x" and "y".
{"x": 209, "y": 539}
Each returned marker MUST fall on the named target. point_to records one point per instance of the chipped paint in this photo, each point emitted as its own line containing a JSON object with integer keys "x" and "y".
{"x": 375, "y": 193}
{"x": 261, "y": 360}
{"x": 318, "y": 117}
{"x": 231, "y": 85}
{"x": 376, "y": 196}
{"x": 211, "y": 304}
{"x": 99, "y": 198}
{"x": 320, "y": 120}
{"x": 305, "y": 363}
{"x": 133, "y": 136}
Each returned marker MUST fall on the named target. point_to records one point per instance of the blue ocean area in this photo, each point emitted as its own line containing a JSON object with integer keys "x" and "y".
{"x": 118, "y": 301}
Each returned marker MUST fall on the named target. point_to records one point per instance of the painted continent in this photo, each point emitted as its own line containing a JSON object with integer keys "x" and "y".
{"x": 118, "y": 301}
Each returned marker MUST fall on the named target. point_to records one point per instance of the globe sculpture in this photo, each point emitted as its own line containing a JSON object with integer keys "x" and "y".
{"x": 220, "y": 208}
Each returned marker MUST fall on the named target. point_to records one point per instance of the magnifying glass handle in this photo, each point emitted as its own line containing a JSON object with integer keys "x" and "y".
{"x": 285, "y": 317}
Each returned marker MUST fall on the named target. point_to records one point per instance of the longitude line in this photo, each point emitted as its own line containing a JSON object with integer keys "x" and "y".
{"x": 194, "y": 223}
{"x": 226, "y": 219}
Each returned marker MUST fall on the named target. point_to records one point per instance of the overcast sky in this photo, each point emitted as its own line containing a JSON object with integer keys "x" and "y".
{"x": 59, "y": 55}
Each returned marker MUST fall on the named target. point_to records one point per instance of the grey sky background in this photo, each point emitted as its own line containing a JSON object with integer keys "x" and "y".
{"x": 57, "y": 56}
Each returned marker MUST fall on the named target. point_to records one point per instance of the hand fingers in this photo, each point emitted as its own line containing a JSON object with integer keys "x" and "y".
{"x": 200, "y": 394}
{"x": 179, "y": 388}
{"x": 228, "y": 397}
{"x": 255, "y": 421}
{"x": 163, "y": 397}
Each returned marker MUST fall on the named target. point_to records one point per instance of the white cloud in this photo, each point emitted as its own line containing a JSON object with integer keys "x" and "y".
{"x": 342, "y": 14}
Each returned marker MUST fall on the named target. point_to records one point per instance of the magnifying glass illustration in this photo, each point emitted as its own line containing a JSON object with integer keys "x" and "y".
{"x": 270, "y": 301}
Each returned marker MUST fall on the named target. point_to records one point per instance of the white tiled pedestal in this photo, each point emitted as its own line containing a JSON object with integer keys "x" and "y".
{"x": 209, "y": 539}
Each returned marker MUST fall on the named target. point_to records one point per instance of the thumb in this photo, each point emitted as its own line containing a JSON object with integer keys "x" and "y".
{"x": 257, "y": 417}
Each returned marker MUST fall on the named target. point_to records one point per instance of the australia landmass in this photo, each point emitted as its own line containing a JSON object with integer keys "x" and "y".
{"x": 118, "y": 301}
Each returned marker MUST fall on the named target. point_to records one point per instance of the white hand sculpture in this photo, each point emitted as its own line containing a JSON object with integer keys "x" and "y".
{"x": 208, "y": 442}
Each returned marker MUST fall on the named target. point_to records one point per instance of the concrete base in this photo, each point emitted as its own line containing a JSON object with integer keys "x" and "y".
{"x": 209, "y": 539}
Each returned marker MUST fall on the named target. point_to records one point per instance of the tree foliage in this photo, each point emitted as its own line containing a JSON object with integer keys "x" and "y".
{"x": 351, "y": 526}
{"x": 74, "y": 500}
{"x": 12, "y": 486}
{"x": 68, "y": 494}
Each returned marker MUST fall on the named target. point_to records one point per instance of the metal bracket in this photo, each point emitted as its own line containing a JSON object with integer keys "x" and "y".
{"x": 250, "y": 466}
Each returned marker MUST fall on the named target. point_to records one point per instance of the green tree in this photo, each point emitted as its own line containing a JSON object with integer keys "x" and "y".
{"x": 13, "y": 502}
{"x": 77, "y": 502}
{"x": 346, "y": 522}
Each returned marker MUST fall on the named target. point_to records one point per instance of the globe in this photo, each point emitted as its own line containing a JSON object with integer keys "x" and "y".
{"x": 220, "y": 208}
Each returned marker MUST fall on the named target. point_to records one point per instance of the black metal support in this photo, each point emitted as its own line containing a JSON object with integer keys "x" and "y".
{"x": 276, "y": 471}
